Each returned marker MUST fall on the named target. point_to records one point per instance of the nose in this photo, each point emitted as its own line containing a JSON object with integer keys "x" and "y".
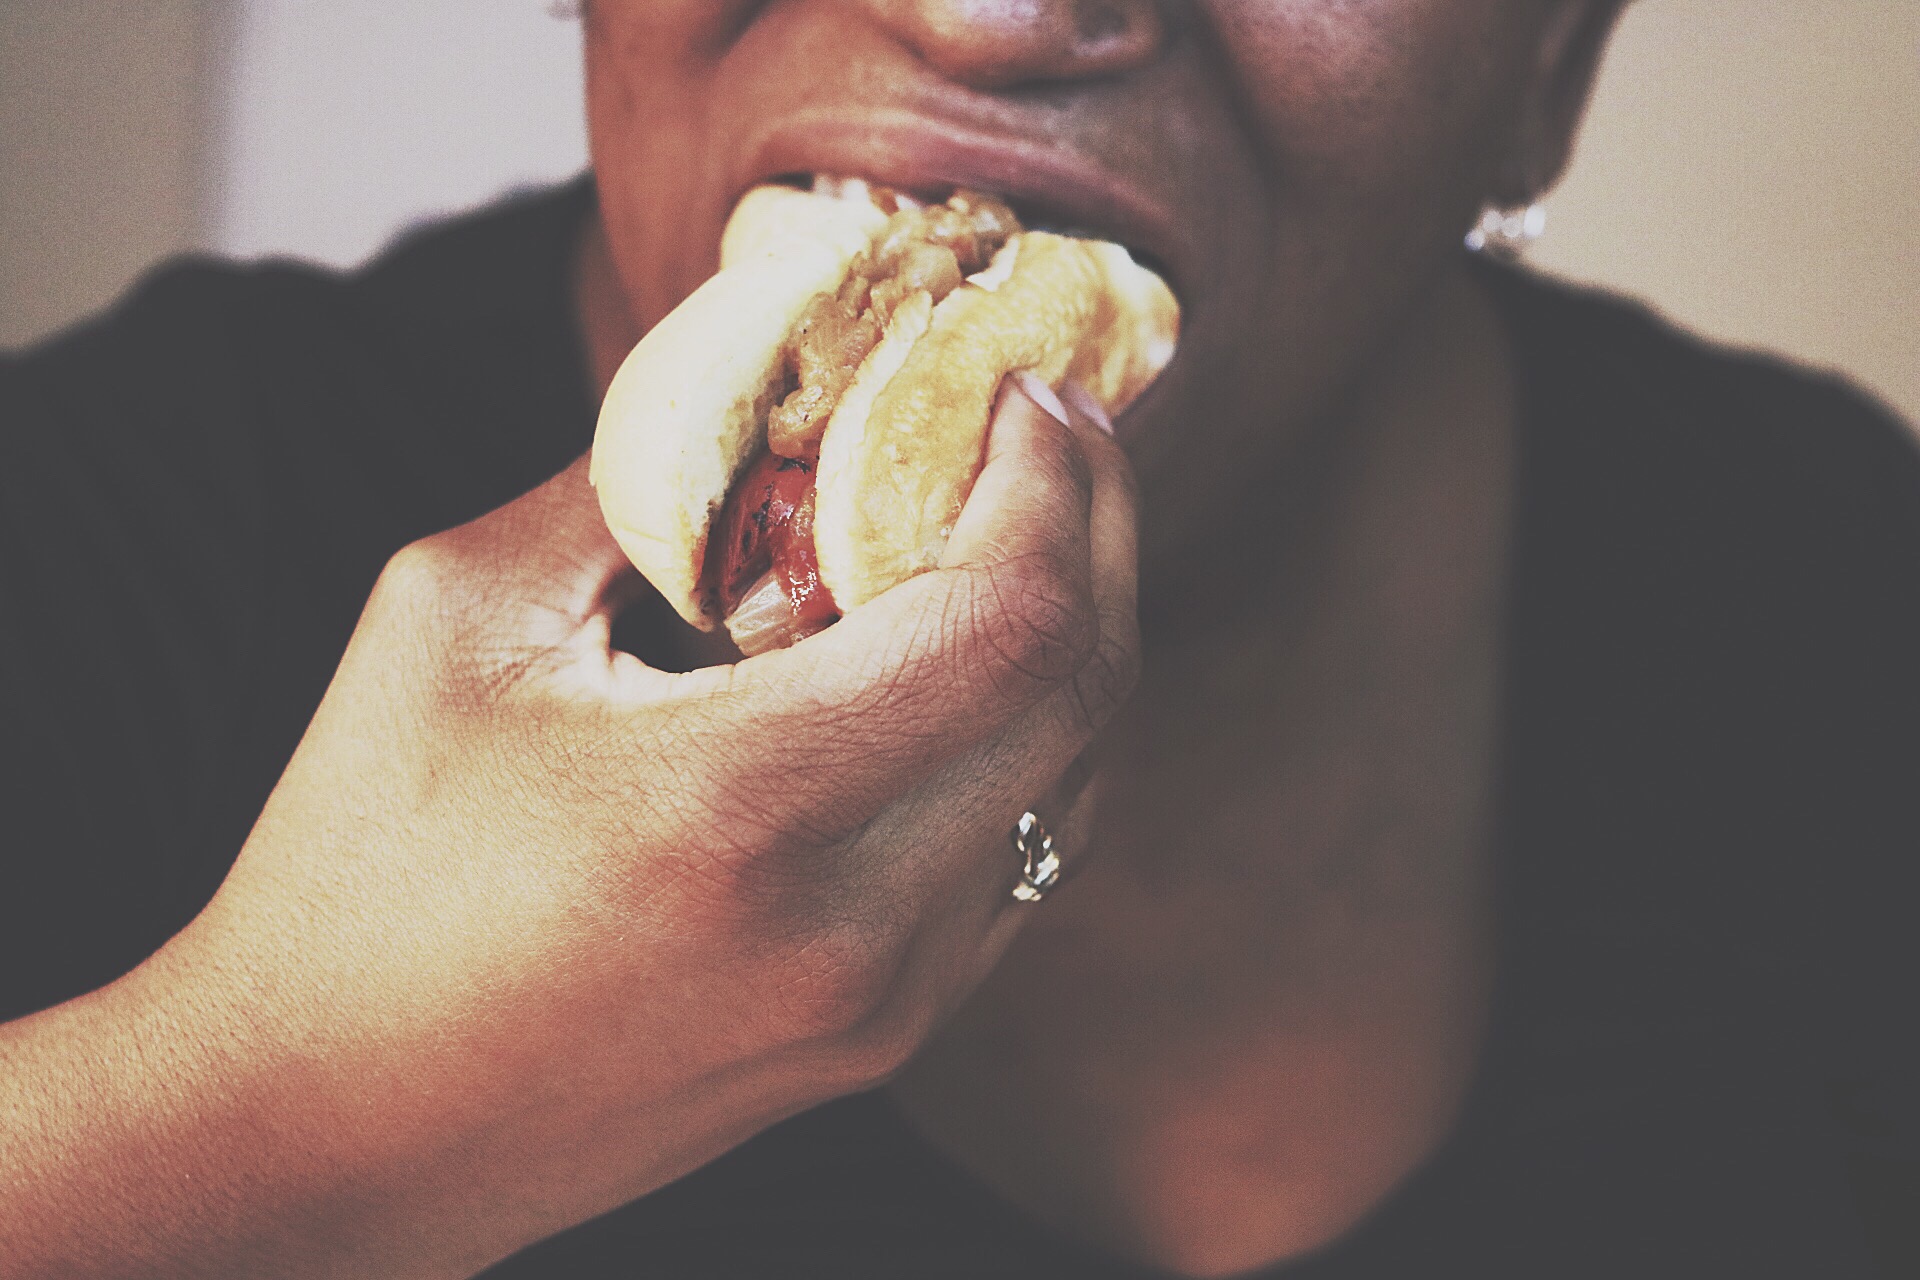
{"x": 998, "y": 43}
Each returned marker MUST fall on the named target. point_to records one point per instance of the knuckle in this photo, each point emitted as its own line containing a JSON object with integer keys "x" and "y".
{"x": 1104, "y": 684}
{"x": 1076, "y": 470}
{"x": 1037, "y": 622}
{"x": 421, "y": 571}
{"x": 1061, "y": 478}
{"x": 1113, "y": 469}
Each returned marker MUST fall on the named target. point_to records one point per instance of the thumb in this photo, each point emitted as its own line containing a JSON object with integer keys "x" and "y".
{"x": 875, "y": 704}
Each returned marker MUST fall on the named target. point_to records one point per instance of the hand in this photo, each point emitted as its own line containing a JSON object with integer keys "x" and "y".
{"x": 528, "y": 928}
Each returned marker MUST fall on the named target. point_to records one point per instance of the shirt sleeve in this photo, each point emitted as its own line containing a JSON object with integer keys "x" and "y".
{"x": 197, "y": 491}
{"x": 1862, "y": 779}
{"x": 133, "y": 551}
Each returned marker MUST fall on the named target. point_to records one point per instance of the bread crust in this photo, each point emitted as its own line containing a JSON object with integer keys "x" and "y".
{"x": 908, "y": 439}
{"x": 686, "y": 410}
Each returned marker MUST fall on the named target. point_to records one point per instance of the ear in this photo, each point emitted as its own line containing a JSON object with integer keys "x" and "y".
{"x": 1572, "y": 38}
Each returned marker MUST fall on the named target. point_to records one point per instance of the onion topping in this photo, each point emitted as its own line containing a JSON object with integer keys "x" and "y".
{"x": 765, "y": 619}
{"x": 927, "y": 249}
{"x": 761, "y": 547}
{"x": 761, "y": 565}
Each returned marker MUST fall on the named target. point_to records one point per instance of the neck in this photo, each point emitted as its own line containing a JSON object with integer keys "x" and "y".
{"x": 1353, "y": 645}
{"x": 1409, "y": 474}
{"x": 1280, "y": 927}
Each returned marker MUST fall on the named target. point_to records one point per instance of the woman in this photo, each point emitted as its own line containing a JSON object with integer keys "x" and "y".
{"x": 1496, "y": 869}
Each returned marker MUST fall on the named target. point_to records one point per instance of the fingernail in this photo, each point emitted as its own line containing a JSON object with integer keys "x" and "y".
{"x": 1041, "y": 394}
{"x": 1089, "y": 404}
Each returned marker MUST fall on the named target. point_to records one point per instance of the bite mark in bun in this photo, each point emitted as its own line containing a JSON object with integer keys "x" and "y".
{"x": 799, "y": 435}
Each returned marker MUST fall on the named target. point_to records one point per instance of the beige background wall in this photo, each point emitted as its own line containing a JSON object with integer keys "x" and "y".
{"x": 347, "y": 118}
{"x": 1751, "y": 166}
{"x": 103, "y": 135}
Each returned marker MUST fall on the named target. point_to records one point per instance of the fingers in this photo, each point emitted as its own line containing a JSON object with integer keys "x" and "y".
{"x": 1034, "y": 495}
{"x": 1015, "y": 617}
{"x": 1043, "y": 761}
{"x": 1068, "y": 813}
{"x": 1027, "y": 622}
{"x": 1065, "y": 811}
{"x": 1116, "y": 554}
{"x": 1039, "y": 757}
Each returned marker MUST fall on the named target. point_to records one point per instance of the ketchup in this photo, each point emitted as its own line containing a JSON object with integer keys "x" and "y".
{"x": 767, "y": 524}
{"x": 798, "y": 565}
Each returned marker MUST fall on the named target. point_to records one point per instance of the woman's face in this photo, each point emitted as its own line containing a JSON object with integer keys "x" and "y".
{"x": 1302, "y": 169}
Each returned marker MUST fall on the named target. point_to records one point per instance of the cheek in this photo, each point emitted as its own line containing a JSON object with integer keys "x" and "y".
{"x": 650, "y": 67}
{"x": 1378, "y": 103}
{"x": 1373, "y": 130}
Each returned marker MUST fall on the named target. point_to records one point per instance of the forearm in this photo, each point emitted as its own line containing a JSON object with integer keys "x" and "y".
{"x": 160, "y": 1127}
{"x": 527, "y": 929}
{"x": 191, "y": 1120}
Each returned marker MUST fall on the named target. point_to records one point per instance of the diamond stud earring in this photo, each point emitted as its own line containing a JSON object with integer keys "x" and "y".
{"x": 1507, "y": 233}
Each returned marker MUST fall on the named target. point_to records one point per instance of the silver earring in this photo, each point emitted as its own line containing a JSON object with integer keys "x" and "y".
{"x": 1507, "y": 233}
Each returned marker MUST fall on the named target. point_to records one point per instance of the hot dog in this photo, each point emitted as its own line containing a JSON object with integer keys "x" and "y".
{"x": 799, "y": 434}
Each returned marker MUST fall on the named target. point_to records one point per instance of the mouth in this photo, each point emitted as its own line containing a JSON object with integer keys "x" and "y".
{"x": 1034, "y": 215}
{"x": 1048, "y": 187}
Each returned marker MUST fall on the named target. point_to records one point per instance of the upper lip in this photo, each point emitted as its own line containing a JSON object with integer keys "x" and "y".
{"x": 1043, "y": 181}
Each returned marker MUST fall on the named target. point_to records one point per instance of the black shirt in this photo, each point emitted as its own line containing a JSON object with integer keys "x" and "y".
{"x": 1705, "y": 1054}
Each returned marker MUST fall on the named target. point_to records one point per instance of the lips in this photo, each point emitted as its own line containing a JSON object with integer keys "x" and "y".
{"x": 1048, "y": 186}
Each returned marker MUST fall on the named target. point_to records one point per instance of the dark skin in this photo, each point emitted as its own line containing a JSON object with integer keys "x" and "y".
{"x": 1304, "y": 171}
{"x": 1264, "y": 996}
{"x": 1286, "y": 923}
{"x": 529, "y": 929}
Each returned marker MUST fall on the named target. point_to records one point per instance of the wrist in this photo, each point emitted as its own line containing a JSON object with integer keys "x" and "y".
{"x": 168, "y": 1125}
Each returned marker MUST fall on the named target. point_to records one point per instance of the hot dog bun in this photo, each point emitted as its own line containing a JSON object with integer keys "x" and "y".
{"x": 687, "y": 411}
{"x": 903, "y": 449}
{"x": 688, "y": 407}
